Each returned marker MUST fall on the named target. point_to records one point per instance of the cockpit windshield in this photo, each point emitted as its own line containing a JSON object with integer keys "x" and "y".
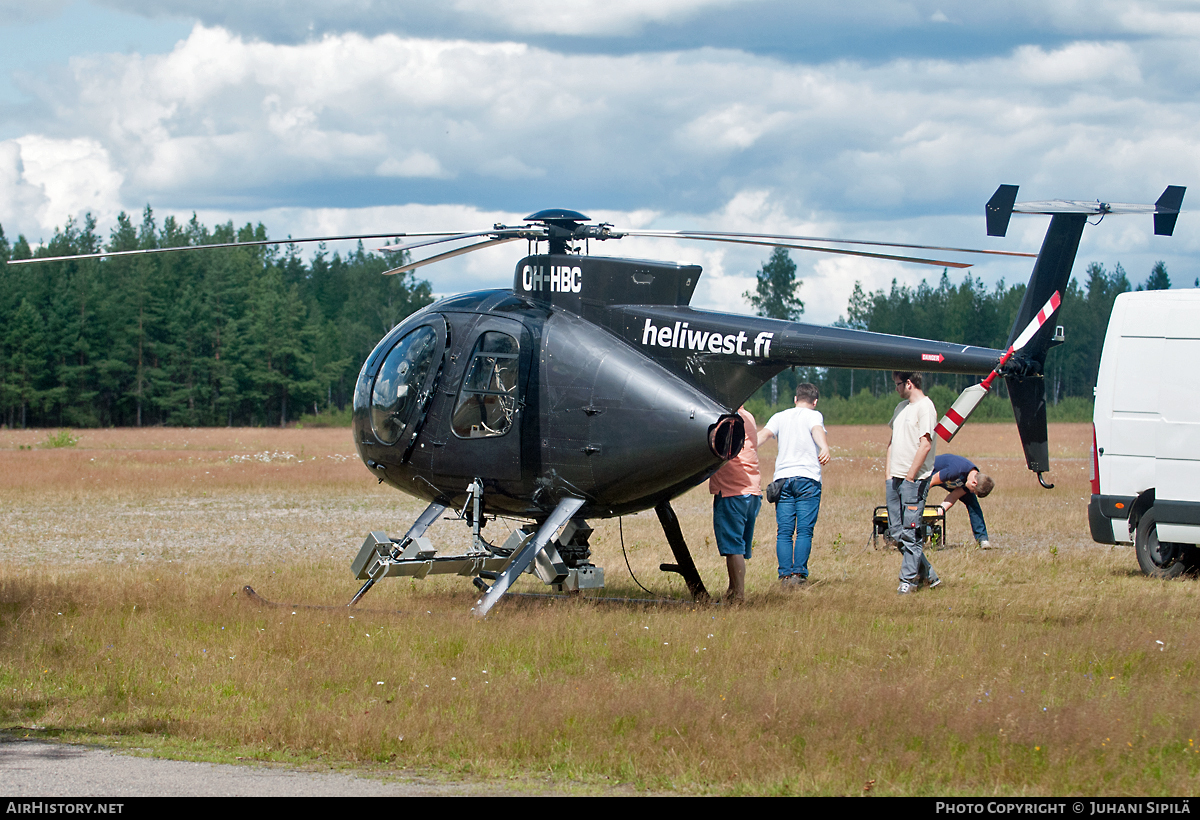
{"x": 399, "y": 382}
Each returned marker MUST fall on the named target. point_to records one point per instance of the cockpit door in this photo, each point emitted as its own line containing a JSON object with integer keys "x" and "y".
{"x": 482, "y": 401}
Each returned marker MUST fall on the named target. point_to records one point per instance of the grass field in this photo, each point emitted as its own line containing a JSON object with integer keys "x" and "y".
{"x": 1048, "y": 665}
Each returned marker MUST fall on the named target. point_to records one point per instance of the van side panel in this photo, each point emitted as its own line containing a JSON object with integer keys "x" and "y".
{"x": 1177, "y": 443}
{"x": 1129, "y": 454}
{"x": 1147, "y": 415}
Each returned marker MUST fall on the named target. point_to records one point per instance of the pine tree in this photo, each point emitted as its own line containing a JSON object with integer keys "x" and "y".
{"x": 26, "y": 361}
{"x": 775, "y": 294}
{"x": 1158, "y": 277}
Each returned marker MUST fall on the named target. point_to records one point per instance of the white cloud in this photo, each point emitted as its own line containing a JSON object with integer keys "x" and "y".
{"x": 1079, "y": 63}
{"x": 733, "y": 128}
{"x": 709, "y": 138}
{"x": 1177, "y": 20}
{"x": 416, "y": 164}
{"x": 220, "y": 111}
{"x": 587, "y": 17}
{"x": 45, "y": 181}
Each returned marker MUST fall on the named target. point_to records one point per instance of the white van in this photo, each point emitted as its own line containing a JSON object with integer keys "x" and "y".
{"x": 1146, "y": 431}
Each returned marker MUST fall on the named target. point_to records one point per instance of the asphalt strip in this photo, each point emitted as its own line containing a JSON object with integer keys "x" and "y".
{"x": 35, "y": 768}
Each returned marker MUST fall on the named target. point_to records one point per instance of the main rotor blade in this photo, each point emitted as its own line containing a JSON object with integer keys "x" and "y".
{"x": 450, "y": 254}
{"x": 515, "y": 233}
{"x": 256, "y": 243}
{"x": 706, "y": 234}
{"x": 941, "y": 263}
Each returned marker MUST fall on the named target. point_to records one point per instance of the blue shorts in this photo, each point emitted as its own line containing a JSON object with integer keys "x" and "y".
{"x": 733, "y": 523}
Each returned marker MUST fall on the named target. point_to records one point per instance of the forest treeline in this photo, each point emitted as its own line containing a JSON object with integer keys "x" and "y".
{"x": 237, "y": 336}
{"x": 258, "y": 336}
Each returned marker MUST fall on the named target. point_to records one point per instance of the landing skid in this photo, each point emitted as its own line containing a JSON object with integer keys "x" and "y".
{"x": 554, "y": 549}
{"x": 251, "y": 595}
{"x": 561, "y": 563}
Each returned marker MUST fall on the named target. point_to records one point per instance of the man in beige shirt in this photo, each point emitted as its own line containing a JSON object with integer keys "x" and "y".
{"x": 910, "y": 457}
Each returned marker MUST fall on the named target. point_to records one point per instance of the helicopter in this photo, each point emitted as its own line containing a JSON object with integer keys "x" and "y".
{"x": 591, "y": 388}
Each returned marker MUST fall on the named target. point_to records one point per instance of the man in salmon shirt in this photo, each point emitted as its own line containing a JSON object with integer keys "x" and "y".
{"x": 737, "y": 496}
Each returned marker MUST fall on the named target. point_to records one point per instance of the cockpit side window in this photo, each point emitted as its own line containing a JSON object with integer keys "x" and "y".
{"x": 487, "y": 400}
{"x": 399, "y": 382}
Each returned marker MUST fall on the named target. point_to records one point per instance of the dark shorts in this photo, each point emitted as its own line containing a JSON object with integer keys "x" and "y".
{"x": 733, "y": 523}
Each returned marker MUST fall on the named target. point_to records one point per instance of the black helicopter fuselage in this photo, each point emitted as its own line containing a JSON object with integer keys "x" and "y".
{"x": 590, "y": 378}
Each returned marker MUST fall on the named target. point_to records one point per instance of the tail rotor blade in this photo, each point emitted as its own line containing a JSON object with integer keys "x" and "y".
{"x": 970, "y": 398}
{"x": 1043, "y": 316}
{"x": 960, "y": 411}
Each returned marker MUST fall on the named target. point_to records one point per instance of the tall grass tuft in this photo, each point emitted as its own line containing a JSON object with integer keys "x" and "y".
{"x": 60, "y": 438}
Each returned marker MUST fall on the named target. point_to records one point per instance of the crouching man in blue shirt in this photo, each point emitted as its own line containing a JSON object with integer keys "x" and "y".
{"x": 963, "y": 480}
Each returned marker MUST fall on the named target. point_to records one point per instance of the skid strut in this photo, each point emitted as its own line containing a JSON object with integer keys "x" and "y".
{"x": 684, "y": 564}
{"x": 364, "y": 567}
{"x": 532, "y": 547}
{"x": 414, "y": 556}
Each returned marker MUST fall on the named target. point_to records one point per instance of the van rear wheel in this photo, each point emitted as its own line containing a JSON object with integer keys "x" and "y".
{"x": 1161, "y": 559}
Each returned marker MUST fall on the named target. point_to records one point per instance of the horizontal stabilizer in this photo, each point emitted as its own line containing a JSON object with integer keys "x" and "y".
{"x": 1002, "y": 205}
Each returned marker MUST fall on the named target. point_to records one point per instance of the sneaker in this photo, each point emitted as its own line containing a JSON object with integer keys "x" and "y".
{"x": 792, "y": 582}
{"x": 984, "y": 545}
{"x": 935, "y": 582}
{"x": 906, "y": 588}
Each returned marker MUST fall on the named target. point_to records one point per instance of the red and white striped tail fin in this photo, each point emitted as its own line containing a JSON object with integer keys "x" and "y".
{"x": 962, "y": 408}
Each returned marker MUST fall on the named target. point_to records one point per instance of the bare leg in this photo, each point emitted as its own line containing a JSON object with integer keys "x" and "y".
{"x": 736, "y": 565}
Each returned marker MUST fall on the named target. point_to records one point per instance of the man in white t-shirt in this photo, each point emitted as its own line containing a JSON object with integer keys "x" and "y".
{"x": 802, "y": 450}
{"x": 910, "y": 457}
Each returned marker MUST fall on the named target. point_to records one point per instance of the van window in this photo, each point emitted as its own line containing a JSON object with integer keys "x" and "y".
{"x": 487, "y": 401}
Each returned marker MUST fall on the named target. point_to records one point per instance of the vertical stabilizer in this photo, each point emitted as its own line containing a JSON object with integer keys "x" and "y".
{"x": 1026, "y": 382}
{"x": 1051, "y": 272}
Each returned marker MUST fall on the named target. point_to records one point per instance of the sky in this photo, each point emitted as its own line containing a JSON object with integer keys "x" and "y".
{"x": 881, "y": 119}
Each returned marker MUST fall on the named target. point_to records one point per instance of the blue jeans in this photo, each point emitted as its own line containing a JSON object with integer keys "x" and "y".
{"x": 795, "y": 518}
{"x": 906, "y": 505}
{"x": 975, "y": 513}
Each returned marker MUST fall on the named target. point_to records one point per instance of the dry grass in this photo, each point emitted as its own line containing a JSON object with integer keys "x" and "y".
{"x": 1034, "y": 669}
